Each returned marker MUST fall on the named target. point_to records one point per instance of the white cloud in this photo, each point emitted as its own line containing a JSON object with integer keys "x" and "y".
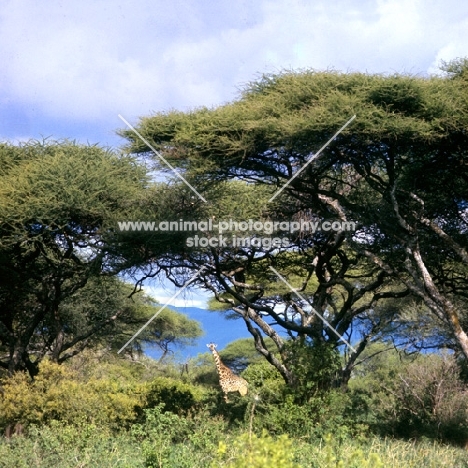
{"x": 455, "y": 47}
{"x": 88, "y": 61}
{"x": 164, "y": 293}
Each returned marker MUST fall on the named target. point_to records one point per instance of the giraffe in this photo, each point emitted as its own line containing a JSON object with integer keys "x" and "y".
{"x": 229, "y": 381}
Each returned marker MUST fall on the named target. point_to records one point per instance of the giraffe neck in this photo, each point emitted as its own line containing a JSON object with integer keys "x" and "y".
{"x": 219, "y": 364}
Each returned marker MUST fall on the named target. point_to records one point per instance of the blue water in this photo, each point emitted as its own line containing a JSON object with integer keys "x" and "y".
{"x": 217, "y": 330}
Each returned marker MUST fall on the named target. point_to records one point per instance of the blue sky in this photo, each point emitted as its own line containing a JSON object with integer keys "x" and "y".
{"x": 70, "y": 67}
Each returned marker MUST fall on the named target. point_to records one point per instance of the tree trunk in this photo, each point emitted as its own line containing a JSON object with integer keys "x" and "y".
{"x": 444, "y": 304}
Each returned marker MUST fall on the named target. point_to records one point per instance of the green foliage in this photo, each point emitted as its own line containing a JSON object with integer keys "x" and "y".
{"x": 430, "y": 400}
{"x": 265, "y": 382}
{"x": 399, "y": 172}
{"x": 283, "y": 410}
{"x": 415, "y": 396}
{"x": 104, "y": 297}
{"x": 260, "y": 372}
{"x": 59, "y": 206}
{"x": 168, "y": 439}
{"x": 59, "y": 183}
{"x": 57, "y": 395}
{"x": 175, "y": 396}
{"x": 237, "y": 200}
{"x": 193, "y": 438}
{"x": 242, "y": 353}
{"x": 64, "y": 446}
{"x": 171, "y": 328}
{"x": 159, "y": 431}
{"x": 379, "y": 452}
{"x": 201, "y": 370}
{"x": 457, "y": 68}
{"x": 286, "y": 417}
{"x": 333, "y": 413}
{"x": 315, "y": 367}
{"x": 294, "y": 110}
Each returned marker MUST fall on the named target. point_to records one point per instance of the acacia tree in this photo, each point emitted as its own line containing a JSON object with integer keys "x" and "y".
{"x": 331, "y": 279}
{"x": 107, "y": 313}
{"x": 59, "y": 203}
{"x": 399, "y": 171}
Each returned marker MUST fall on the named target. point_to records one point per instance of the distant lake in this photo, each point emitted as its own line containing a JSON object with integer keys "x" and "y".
{"x": 217, "y": 330}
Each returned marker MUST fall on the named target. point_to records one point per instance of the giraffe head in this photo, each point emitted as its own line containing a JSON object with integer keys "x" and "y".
{"x": 212, "y": 346}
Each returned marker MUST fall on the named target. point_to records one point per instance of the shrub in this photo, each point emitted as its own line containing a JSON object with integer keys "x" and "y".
{"x": 157, "y": 435}
{"x": 424, "y": 397}
{"x": 56, "y": 394}
{"x": 176, "y": 396}
{"x": 315, "y": 367}
{"x": 265, "y": 382}
{"x": 329, "y": 412}
{"x": 431, "y": 400}
{"x": 62, "y": 446}
{"x": 168, "y": 439}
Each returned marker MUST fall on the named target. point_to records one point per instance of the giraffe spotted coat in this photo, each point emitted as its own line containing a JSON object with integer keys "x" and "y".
{"x": 229, "y": 381}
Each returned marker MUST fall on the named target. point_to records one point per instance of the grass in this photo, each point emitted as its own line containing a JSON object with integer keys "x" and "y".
{"x": 67, "y": 447}
{"x": 392, "y": 454}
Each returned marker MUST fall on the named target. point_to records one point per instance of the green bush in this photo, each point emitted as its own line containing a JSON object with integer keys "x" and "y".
{"x": 431, "y": 400}
{"x": 206, "y": 430}
{"x": 275, "y": 408}
{"x": 176, "y": 396}
{"x": 168, "y": 439}
{"x": 158, "y": 434}
{"x": 63, "y": 446}
{"x": 424, "y": 397}
{"x": 315, "y": 367}
{"x": 265, "y": 382}
{"x": 56, "y": 394}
